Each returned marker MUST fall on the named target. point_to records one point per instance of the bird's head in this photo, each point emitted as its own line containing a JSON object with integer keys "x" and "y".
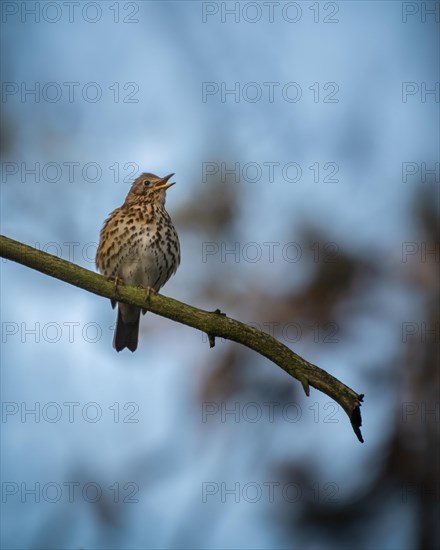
{"x": 149, "y": 188}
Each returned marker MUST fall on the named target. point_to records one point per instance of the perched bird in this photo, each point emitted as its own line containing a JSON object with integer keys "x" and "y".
{"x": 138, "y": 245}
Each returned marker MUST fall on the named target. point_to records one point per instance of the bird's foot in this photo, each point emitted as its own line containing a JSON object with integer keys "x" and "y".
{"x": 148, "y": 291}
{"x": 117, "y": 281}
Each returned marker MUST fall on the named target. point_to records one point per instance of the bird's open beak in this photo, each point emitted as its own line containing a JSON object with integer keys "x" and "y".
{"x": 163, "y": 182}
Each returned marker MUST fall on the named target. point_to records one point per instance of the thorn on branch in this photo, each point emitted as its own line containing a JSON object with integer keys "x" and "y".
{"x": 211, "y": 340}
{"x": 305, "y": 385}
{"x": 211, "y": 337}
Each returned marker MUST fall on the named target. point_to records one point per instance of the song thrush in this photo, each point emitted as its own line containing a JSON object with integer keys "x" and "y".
{"x": 138, "y": 245}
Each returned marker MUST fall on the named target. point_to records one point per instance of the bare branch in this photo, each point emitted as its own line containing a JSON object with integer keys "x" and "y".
{"x": 215, "y": 324}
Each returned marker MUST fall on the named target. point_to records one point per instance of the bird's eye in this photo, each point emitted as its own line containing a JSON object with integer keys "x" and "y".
{"x": 147, "y": 182}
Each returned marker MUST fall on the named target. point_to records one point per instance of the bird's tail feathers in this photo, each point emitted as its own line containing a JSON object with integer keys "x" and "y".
{"x": 126, "y": 333}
